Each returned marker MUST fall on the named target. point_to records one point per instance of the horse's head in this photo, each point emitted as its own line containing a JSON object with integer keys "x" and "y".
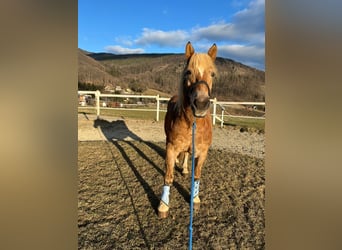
{"x": 198, "y": 78}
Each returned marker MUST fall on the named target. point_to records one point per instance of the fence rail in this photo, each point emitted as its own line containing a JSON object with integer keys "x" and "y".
{"x": 215, "y": 104}
{"x": 224, "y": 113}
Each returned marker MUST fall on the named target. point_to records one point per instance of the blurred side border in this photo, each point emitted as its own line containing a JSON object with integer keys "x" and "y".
{"x": 38, "y": 106}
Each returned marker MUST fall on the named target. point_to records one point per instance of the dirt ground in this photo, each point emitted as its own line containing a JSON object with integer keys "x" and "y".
{"x": 121, "y": 168}
{"x": 251, "y": 142}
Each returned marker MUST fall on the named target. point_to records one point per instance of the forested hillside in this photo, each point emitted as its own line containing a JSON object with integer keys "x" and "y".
{"x": 139, "y": 72}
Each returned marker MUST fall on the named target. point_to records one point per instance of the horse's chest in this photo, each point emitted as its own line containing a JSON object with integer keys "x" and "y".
{"x": 183, "y": 141}
{"x": 203, "y": 136}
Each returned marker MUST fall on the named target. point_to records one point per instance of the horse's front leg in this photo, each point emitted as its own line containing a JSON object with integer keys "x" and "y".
{"x": 163, "y": 208}
{"x": 199, "y": 161}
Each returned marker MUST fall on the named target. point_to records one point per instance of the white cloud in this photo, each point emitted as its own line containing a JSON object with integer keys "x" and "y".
{"x": 251, "y": 19}
{"x": 121, "y": 50}
{"x": 242, "y": 39}
{"x": 247, "y": 54}
{"x": 216, "y": 32}
{"x": 247, "y": 26}
{"x": 161, "y": 38}
{"x": 124, "y": 40}
{"x": 243, "y": 51}
{"x": 227, "y": 32}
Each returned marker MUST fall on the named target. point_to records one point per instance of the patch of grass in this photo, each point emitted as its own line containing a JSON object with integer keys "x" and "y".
{"x": 258, "y": 124}
{"x": 135, "y": 114}
{"x": 156, "y": 92}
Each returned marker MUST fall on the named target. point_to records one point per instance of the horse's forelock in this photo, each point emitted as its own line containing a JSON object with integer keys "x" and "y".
{"x": 199, "y": 62}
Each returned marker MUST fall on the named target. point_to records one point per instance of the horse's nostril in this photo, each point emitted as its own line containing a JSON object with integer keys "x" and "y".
{"x": 202, "y": 103}
{"x": 207, "y": 104}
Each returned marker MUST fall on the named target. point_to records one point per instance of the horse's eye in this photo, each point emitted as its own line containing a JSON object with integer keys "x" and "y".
{"x": 213, "y": 74}
{"x": 188, "y": 72}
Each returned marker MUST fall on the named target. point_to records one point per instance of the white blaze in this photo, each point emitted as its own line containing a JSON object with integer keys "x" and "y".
{"x": 201, "y": 71}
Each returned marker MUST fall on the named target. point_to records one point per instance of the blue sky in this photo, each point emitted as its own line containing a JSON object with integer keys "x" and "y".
{"x": 165, "y": 26}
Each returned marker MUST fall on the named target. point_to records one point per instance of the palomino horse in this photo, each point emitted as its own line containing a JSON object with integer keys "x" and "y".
{"x": 192, "y": 102}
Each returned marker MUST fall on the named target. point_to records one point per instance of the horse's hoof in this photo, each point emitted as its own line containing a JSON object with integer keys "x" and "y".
{"x": 197, "y": 203}
{"x": 185, "y": 174}
{"x": 163, "y": 210}
{"x": 163, "y": 215}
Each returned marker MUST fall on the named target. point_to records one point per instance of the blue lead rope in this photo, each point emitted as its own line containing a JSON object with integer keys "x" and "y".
{"x": 192, "y": 183}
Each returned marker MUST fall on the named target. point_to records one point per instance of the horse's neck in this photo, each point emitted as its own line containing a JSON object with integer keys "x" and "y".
{"x": 186, "y": 113}
{"x": 184, "y": 108}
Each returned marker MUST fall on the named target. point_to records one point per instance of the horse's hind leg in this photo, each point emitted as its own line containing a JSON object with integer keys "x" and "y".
{"x": 182, "y": 162}
{"x": 185, "y": 164}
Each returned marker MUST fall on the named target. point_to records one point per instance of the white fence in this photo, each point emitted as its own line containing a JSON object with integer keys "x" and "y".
{"x": 216, "y": 104}
{"x": 224, "y": 114}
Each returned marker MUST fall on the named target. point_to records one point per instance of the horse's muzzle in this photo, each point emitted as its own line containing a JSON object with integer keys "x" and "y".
{"x": 199, "y": 100}
{"x": 200, "y": 106}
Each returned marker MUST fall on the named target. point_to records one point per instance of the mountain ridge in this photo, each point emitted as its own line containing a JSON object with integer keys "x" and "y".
{"x": 139, "y": 72}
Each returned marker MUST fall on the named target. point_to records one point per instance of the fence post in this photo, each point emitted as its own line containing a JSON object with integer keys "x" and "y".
{"x": 157, "y": 117}
{"x": 97, "y": 97}
{"x": 214, "y": 110}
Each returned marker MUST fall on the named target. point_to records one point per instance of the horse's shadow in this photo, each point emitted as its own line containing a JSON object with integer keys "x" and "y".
{"x": 117, "y": 131}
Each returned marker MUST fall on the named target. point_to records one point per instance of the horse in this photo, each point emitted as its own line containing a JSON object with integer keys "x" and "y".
{"x": 192, "y": 103}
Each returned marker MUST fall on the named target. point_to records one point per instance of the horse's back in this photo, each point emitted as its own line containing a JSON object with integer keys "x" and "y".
{"x": 171, "y": 105}
{"x": 170, "y": 114}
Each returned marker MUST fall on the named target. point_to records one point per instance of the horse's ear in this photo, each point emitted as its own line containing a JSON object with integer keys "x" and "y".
{"x": 212, "y": 52}
{"x": 189, "y": 50}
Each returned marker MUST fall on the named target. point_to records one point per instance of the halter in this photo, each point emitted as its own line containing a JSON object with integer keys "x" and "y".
{"x": 192, "y": 87}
